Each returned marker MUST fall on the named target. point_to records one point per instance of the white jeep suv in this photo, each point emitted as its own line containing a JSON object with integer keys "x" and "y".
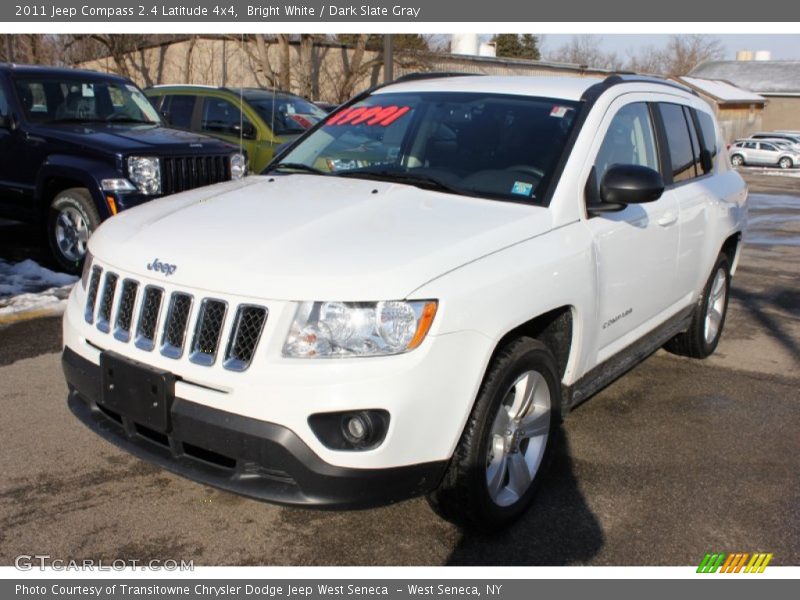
{"x": 413, "y": 295}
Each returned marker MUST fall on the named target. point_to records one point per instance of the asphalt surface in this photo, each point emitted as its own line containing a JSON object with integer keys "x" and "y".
{"x": 677, "y": 458}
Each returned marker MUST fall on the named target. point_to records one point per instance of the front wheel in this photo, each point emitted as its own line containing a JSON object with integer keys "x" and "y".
{"x": 737, "y": 160}
{"x": 702, "y": 337}
{"x": 71, "y": 220}
{"x": 507, "y": 442}
{"x": 785, "y": 163}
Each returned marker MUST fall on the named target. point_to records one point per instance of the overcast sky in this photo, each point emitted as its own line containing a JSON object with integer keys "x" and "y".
{"x": 783, "y": 47}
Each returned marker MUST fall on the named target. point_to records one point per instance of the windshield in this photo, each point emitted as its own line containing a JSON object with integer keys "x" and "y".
{"x": 51, "y": 100}
{"x": 286, "y": 115}
{"x": 488, "y": 145}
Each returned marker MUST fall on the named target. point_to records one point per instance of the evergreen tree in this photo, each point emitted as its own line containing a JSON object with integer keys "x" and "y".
{"x": 512, "y": 45}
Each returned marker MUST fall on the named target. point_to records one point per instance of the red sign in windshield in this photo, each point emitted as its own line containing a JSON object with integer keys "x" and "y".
{"x": 380, "y": 116}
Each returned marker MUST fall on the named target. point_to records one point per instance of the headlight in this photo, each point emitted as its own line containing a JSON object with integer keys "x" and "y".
{"x": 145, "y": 172}
{"x": 238, "y": 166}
{"x": 339, "y": 329}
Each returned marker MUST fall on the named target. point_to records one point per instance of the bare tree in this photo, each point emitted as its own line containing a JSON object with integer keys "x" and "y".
{"x": 586, "y": 51}
{"x": 684, "y": 52}
{"x": 35, "y": 49}
{"x": 187, "y": 59}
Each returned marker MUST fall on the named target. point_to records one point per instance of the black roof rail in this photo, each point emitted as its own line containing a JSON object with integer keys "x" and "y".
{"x": 594, "y": 91}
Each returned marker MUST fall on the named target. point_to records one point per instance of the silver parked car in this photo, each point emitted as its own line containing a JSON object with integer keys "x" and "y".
{"x": 762, "y": 153}
{"x": 788, "y": 136}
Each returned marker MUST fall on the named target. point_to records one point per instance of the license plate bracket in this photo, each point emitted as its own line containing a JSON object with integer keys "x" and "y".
{"x": 140, "y": 392}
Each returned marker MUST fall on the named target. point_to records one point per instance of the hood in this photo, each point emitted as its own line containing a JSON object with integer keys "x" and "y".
{"x": 126, "y": 138}
{"x": 307, "y": 237}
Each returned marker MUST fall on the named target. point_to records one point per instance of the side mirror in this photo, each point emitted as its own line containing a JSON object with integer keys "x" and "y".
{"x": 248, "y": 131}
{"x": 630, "y": 184}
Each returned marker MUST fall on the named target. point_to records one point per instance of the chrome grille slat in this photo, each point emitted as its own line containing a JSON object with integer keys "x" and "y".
{"x": 247, "y": 328}
{"x": 208, "y": 331}
{"x": 175, "y": 323}
{"x": 107, "y": 302}
{"x": 122, "y": 323}
{"x": 91, "y": 294}
{"x": 128, "y": 308}
{"x": 148, "y": 318}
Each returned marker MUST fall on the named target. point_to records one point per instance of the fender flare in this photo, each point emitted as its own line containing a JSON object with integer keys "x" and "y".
{"x": 89, "y": 173}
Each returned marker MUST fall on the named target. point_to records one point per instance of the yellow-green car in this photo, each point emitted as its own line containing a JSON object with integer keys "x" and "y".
{"x": 268, "y": 118}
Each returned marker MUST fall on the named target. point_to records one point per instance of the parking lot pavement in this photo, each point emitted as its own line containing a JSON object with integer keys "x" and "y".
{"x": 675, "y": 459}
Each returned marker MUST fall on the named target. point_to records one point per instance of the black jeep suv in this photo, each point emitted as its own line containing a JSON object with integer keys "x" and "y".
{"x": 76, "y": 147}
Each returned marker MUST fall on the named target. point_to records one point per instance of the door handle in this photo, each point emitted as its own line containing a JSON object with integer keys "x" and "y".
{"x": 667, "y": 219}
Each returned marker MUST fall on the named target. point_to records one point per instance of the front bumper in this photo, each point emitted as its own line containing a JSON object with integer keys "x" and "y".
{"x": 247, "y": 456}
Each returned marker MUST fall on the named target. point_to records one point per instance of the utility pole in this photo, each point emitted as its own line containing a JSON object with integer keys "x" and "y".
{"x": 388, "y": 58}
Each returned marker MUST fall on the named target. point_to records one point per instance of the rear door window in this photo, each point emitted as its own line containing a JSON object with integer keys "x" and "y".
{"x": 222, "y": 117}
{"x": 679, "y": 140}
{"x": 178, "y": 110}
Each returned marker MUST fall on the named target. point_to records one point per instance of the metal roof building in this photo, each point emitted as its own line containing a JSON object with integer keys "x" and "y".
{"x": 778, "y": 81}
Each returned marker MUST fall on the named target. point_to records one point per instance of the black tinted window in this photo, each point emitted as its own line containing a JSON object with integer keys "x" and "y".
{"x": 698, "y": 163}
{"x": 221, "y": 116}
{"x": 3, "y": 104}
{"x": 178, "y": 110}
{"x": 679, "y": 141}
{"x": 709, "y": 134}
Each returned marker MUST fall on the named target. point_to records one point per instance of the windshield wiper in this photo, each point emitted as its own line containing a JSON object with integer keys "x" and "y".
{"x": 296, "y": 167}
{"x": 75, "y": 120}
{"x": 123, "y": 119}
{"x": 417, "y": 179}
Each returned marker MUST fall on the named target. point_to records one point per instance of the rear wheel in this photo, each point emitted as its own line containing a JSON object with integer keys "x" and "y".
{"x": 71, "y": 221}
{"x": 507, "y": 442}
{"x": 737, "y": 160}
{"x": 708, "y": 319}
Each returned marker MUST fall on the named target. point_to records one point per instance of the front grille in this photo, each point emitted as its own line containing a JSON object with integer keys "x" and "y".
{"x": 148, "y": 318}
{"x": 180, "y": 306}
{"x": 246, "y": 332}
{"x": 145, "y": 316}
{"x": 122, "y": 324}
{"x": 106, "y": 302}
{"x": 91, "y": 294}
{"x": 179, "y": 173}
{"x": 208, "y": 331}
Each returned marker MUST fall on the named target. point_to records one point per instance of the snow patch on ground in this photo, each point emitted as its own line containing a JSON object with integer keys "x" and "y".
{"x": 27, "y": 286}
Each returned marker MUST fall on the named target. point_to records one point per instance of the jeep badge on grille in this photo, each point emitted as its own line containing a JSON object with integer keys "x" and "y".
{"x": 165, "y": 268}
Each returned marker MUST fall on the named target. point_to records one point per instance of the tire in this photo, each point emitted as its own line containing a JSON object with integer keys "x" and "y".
{"x": 71, "y": 220}
{"x": 785, "y": 163}
{"x": 496, "y": 470}
{"x": 708, "y": 318}
{"x": 737, "y": 160}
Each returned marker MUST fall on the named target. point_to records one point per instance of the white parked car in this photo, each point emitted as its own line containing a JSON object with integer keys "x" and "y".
{"x": 414, "y": 296}
{"x": 763, "y": 153}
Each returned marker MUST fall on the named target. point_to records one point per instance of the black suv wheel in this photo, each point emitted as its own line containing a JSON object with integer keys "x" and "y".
{"x": 71, "y": 220}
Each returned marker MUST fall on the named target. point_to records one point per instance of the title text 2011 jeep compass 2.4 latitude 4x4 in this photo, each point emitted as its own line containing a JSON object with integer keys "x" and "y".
{"x": 415, "y": 293}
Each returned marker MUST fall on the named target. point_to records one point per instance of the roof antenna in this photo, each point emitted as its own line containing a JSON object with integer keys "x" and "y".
{"x": 241, "y": 95}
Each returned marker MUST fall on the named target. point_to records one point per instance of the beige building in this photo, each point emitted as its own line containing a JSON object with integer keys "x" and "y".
{"x": 778, "y": 81}
{"x": 324, "y": 71}
{"x": 739, "y": 112}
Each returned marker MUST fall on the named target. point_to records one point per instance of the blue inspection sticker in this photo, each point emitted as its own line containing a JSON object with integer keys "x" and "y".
{"x": 523, "y": 188}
